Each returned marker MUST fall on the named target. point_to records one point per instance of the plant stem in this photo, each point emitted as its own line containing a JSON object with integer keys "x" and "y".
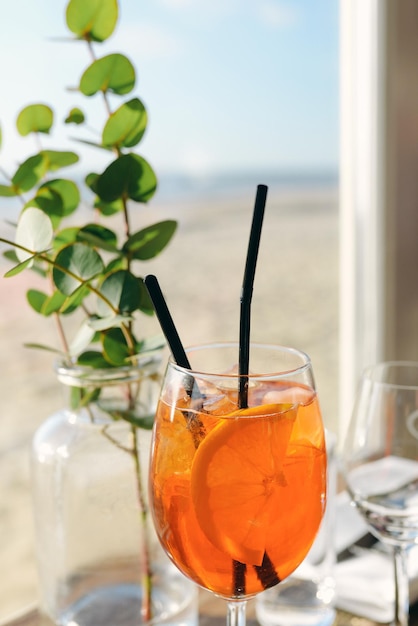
{"x": 126, "y": 218}
{"x": 146, "y": 574}
{"x": 146, "y": 608}
{"x": 113, "y": 441}
{"x": 60, "y": 328}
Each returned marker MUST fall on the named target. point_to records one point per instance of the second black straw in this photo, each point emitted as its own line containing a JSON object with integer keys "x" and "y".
{"x": 247, "y": 293}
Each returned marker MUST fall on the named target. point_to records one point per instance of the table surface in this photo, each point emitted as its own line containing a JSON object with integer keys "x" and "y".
{"x": 212, "y": 613}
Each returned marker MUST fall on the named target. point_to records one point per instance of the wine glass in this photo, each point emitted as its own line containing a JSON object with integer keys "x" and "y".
{"x": 237, "y": 484}
{"x": 380, "y": 464}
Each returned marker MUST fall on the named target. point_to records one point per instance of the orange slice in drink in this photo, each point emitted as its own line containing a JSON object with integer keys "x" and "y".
{"x": 235, "y": 475}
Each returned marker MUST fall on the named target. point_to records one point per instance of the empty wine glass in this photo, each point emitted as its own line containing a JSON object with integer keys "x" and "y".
{"x": 380, "y": 464}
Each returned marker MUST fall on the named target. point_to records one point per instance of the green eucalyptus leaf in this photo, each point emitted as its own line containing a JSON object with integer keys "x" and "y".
{"x": 40, "y": 346}
{"x": 140, "y": 421}
{"x": 36, "y": 299}
{"x": 81, "y": 397}
{"x": 34, "y": 232}
{"x": 71, "y": 303}
{"x": 118, "y": 263}
{"x": 54, "y": 303}
{"x": 30, "y": 172}
{"x": 115, "y": 348}
{"x": 129, "y": 176}
{"x": 92, "y": 358}
{"x": 75, "y": 116}
{"x": 83, "y": 339}
{"x": 148, "y": 242}
{"x": 50, "y": 202}
{"x": 105, "y": 208}
{"x": 146, "y": 305}
{"x": 32, "y": 262}
{"x": 68, "y": 191}
{"x": 65, "y": 236}
{"x": 79, "y": 264}
{"x": 126, "y": 126}
{"x": 19, "y": 268}
{"x": 7, "y": 191}
{"x": 113, "y": 72}
{"x": 91, "y": 181}
{"x": 11, "y": 255}
{"x": 93, "y": 20}
{"x": 35, "y": 118}
{"x": 98, "y": 236}
{"x": 111, "y": 321}
{"x": 108, "y": 208}
{"x": 59, "y": 158}
{"x": 44, "y": 304}
{"x": 152, "y": 344}
{"x": 122, "y": 290}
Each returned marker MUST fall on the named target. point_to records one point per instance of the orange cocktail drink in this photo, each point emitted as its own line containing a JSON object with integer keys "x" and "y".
{"x": 238, "y": 494}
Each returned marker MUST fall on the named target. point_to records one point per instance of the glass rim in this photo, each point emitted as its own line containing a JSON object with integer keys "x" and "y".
{"x": 305, "y": 364}
{"x": 76, "y": 375}
{"x": 374, "y": 373}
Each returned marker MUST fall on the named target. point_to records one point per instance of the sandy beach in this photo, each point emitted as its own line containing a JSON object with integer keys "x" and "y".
{"x": 295, "y": 302}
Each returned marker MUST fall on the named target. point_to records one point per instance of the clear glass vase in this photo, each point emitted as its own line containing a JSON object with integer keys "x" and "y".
{"x": 99, "y": 560}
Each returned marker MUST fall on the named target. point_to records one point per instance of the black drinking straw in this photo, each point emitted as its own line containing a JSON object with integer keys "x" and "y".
{"x": 266, "y": 572}
{"x": 247, "y": 293}
{"x": 178, "y": 352}
{"x": 166, "y": 321}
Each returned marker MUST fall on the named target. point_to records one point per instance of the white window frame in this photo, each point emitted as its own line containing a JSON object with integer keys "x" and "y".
{"x": 362, "y": 192}
{"x": 379, "y": 188}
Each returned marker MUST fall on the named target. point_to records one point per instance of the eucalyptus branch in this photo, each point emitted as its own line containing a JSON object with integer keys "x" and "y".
{"x": 115, "y": 442}
{"x": 43, "y": 257}
{"x": 61, "y": 333}
{"x": 90, "y": 47}
{"x": 9, "y": 180}
{"x": 38, "y": 141}
{"x": 116, "y": 149}
{"x": 146, "y": 575}
{"x": 93, "y": 57}
{"x": 69, "y": 256}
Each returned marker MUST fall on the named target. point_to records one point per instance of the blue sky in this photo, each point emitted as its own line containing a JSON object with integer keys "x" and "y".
{"x": 228, "y": 84}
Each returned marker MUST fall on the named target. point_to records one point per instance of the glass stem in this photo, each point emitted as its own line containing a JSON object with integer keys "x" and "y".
{"x": 236, "y": 613}
{"x": 401, "y": 587}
